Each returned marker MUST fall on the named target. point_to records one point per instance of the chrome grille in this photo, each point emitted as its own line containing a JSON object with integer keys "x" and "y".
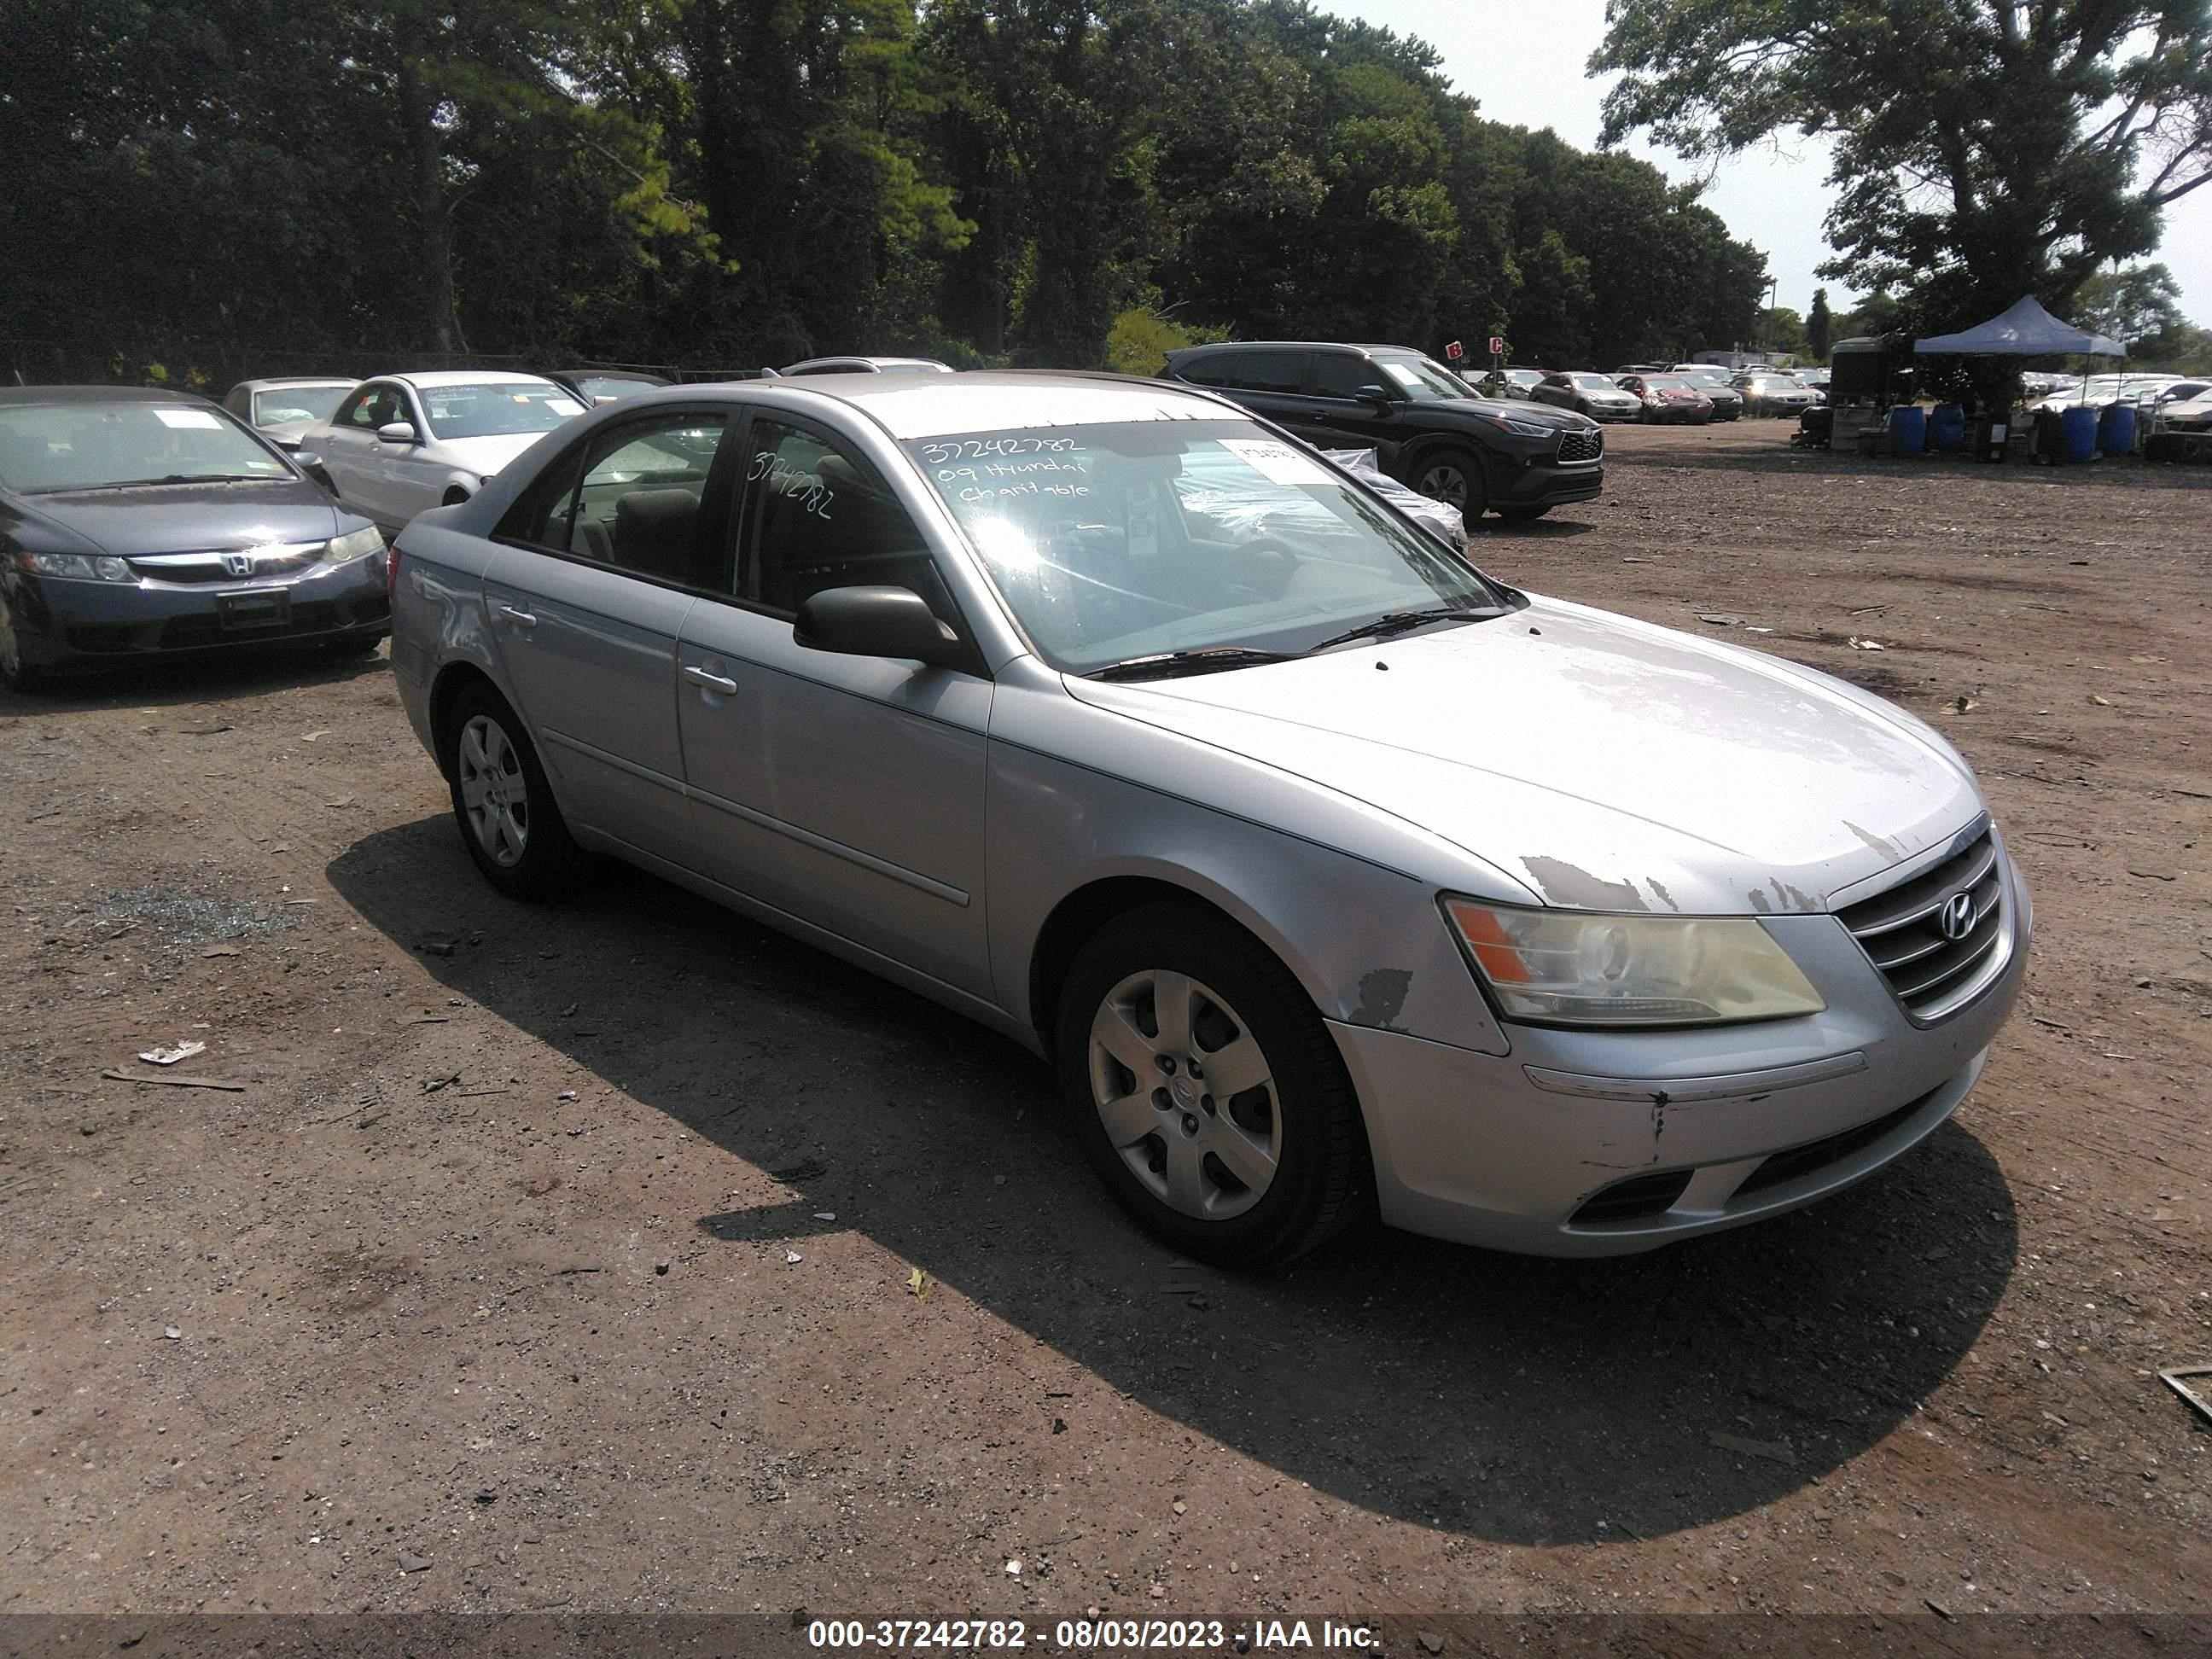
{"x": 1901, "y": 931}
{"x": 271, "y": 560}
{"x": 1582, "y": 446}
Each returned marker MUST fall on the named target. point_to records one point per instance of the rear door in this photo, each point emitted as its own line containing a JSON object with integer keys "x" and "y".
{"x": 845, "y": 790}
{"x": 600, "y": 561}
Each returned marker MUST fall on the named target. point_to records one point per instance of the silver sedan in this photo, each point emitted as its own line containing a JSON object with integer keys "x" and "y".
{"x": 1333, "y": 876}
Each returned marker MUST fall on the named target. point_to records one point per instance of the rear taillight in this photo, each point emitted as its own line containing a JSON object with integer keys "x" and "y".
{"x": 392, "y": 570}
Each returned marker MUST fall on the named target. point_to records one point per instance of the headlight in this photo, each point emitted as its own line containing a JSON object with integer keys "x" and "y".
{"x": 1579, "y": 968}
{"x": 76, "y": 567}
{"x": 354, "y": 545}
{"x": 1526, "y": 428}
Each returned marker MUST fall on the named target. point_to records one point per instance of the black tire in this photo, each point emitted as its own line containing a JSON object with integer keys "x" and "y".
{"x": 15, "y": 673}
{"x": 1324, "y": 1179}
{"x": 547, "y": 859}
{"x": 1434, "y": 475}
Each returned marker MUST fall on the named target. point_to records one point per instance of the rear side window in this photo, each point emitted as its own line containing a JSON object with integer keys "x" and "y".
{"x": 1221, "y": 368}
{"x": 635, "y": 498}
{"x": 1276, "y": 371}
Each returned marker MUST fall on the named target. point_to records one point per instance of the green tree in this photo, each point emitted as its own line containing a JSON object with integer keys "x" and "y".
{"x": 1781, "y": 329}
{"x": 1819, "y": 327}
{"x": 1984, "y": 148}
{"x": 2137, "y": 306}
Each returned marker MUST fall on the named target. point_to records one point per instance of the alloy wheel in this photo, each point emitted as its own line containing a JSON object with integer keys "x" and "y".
{"x": 1186, "y": 1098}
{"x": 1445, "y": 481}
{"x": 11, "y": 648}
{"x": 494, "y": 793}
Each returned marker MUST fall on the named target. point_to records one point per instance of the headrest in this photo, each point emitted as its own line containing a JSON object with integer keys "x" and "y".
{"x": 656, "y": 507}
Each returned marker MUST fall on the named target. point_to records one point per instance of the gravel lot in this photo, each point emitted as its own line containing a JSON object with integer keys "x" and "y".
{"x": 566, "y": 1256}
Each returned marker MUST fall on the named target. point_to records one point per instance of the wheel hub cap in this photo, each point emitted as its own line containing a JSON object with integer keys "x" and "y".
{"x": 1186, "y": 1097}
{"x": 494, "y": 794}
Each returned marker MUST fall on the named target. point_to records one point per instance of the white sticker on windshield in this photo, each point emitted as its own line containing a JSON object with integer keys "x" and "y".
{"x": 188, "y": 419}
{"x": 1278, "y": 463}
{"x": 562, "y": 406}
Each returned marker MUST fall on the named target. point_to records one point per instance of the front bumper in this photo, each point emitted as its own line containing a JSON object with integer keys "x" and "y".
{"x": 1545, "y": 483}
{"x": 63, "y": 623}
{"x": 1604, "y": 1143}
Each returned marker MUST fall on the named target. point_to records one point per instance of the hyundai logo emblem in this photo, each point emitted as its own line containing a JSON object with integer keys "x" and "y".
{"x": 1957, "y": 916}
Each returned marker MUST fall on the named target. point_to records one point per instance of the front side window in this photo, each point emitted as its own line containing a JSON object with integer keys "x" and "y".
{"x": 814, "y": 517}
{"x": 1336, "y": 375}
{"x": 47, "y": 448}
{"x": 371, "y": 407}
{"x": 495, "y": 409}
{"x": 1145, "y": 538}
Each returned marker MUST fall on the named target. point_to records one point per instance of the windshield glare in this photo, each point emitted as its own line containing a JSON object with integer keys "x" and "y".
{"x": 1144, "y": 537}
{"x": 50, "y": 447}
{"x": 1423, "y": 381}
{"x": 495, "y": 409}
{"x": 285, "y": 406}
{"x": 1593, "y": 383}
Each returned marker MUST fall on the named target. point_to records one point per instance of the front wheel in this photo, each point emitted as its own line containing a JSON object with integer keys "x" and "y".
{"x": 1454, "y": 478}
{"x": 507, "y": 817}
{"x": 15, "y": 673}
{"x": 1205, "y": 1091}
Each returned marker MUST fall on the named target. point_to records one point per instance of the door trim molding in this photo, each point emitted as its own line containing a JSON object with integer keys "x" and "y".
{"x": 868, "y": 861}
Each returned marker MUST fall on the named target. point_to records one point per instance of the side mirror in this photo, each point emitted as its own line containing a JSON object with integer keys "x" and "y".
{"x": 306, "y": 459}
{"x": 875, "y": 622}
{"x": 397, "y": 431}
{"x": 1380, "y": 401}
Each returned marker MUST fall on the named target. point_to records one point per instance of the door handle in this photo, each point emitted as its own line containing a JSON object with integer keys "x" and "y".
{"x": 520, "y": 618}
{"x": 697, "y": 675}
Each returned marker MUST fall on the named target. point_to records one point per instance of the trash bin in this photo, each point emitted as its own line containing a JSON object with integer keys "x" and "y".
{"x": 1908, "y": 429}
{"x": 1946, "y": 426}
{"x": 2046, "y": 438}
{"x": 2116, "y": 428}
{"x": 2080, "y": 426}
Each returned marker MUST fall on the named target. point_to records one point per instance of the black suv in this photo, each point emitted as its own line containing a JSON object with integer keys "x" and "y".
{"x": 1426, "y": 425}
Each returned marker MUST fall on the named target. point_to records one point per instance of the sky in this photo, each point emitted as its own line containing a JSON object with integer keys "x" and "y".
{"x": 1524, "y": 61}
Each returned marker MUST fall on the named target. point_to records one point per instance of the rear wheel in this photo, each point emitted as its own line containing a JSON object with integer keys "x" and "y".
{"x": 15, "y": 673}
{"x": 1453, "y": 477}
{"x": 1205, "y": 1091}
{"x": 505, "y": 808}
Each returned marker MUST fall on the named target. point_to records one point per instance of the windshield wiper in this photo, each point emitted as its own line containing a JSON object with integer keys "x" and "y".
{"x": 170, "y": 478}
{"x": 1167, "y": 665}
{"x": 1400, "y": 622}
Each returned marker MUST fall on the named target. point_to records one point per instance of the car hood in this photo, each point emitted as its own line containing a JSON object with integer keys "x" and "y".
{"x": 188, "y": 518}
{"x": 1524, "y": 409}
{"x": 486, "y": 455}
{"x": 1600, "y": 762}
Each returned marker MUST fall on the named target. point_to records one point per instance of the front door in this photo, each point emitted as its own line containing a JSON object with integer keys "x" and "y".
{"x": 351, "y": 454}
{"x": 847, "y": 791}
{"x": 599, "y": 565}
{"x": 1341, "y": 408}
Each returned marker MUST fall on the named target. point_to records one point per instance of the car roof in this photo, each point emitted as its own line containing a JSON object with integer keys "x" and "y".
{"x": 875, "y": 364}
{"x": 95, "y": 394}
{"x": 910, "y": 406}
{"x": 1214, "y": 346}
{"x": 431, "y": 380}
{"x": 610, "y": 374}
{"x": 294, "y": 380}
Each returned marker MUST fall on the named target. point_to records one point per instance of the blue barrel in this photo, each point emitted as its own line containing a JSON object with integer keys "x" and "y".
{"x": 2115, "y": 430}
{"x": 1908, "y": 429}
{"x": 2080, "y": 426}
{"x": 1946, "y": 426}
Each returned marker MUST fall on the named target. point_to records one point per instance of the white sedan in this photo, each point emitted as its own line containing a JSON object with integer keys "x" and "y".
{"x": 404, "y": 442}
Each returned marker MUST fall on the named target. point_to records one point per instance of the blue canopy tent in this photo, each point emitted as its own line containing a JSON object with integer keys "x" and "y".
{"x": 2025, "y": 331}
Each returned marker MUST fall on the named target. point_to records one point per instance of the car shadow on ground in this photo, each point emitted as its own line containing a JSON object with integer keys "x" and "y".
{"x": 161, "y": 682}
{"x": 1518, "y": 1400}
{"x": 1546, "y": 528}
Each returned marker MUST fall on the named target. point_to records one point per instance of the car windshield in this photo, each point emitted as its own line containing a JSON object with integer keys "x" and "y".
{"x": 48, "y": 448}
{"x": 285, "y": 405}
{"x": 1667, "y": 383}
{"x": 1424, "y": 379}
{"x": 495, "y": 409}
{"x": 1593, "y": 383}
{"x": 1147, "y": 539}
{"x": 1706, "y": 376}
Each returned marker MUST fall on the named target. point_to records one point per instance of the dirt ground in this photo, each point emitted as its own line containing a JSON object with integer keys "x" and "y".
{"x": 564, "y": 1257}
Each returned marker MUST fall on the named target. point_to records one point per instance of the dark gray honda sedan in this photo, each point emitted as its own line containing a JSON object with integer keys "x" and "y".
{"x": 134, "y": 522}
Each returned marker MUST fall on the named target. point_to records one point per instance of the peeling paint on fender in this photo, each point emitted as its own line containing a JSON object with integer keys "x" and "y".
{"x": 1570, "y": 884}
{"x": 1382, "y": 993}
